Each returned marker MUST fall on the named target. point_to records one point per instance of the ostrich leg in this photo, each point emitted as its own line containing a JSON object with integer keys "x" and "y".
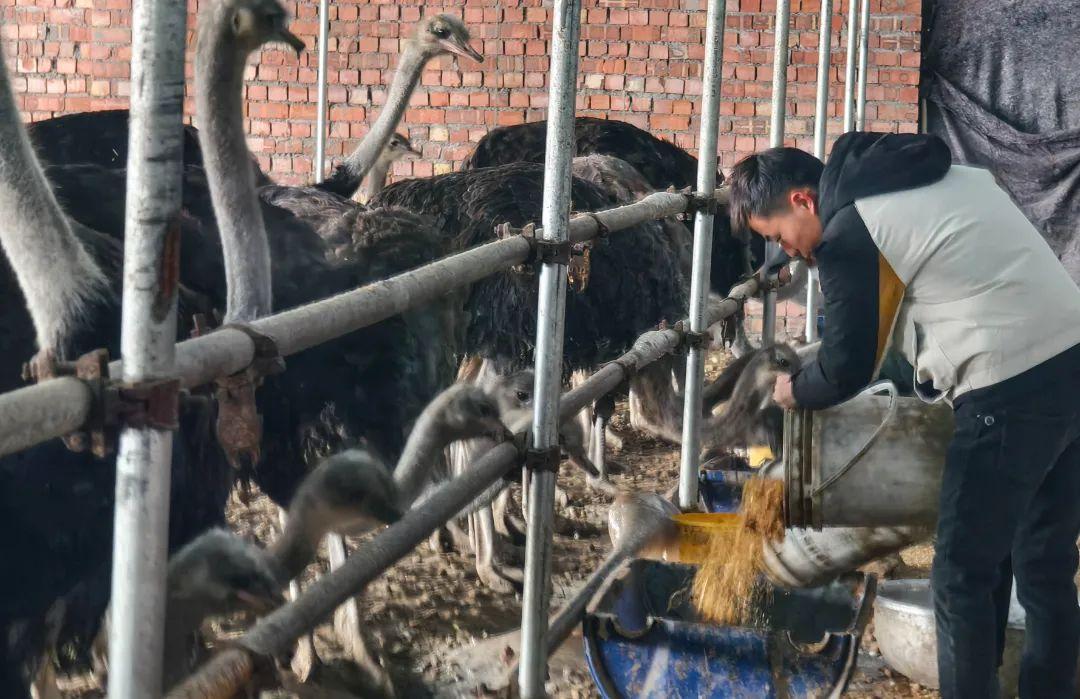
{"x": 304, "y": 658}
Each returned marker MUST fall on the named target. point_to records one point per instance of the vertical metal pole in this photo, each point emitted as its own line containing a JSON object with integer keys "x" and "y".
{"x": 147, "y": 342}
{"x": 821, "y": 132}
{"x": 320, "y": 109}
{"x": 703, "y": 232}
{"x": 347, "y": 618}
{"x": 821, "y": 110}
{"x": 849, "y": 71}
{"x": 864, "y": 44}
{"x": 776, "y": 138}
{"x": 549, "y": 345}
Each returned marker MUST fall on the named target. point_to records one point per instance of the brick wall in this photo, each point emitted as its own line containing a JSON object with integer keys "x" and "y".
{"x": 641, "y": 61}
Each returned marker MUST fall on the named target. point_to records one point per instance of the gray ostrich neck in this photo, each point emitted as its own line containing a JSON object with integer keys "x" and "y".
{"x": 219, "y": 72}
{"x": 56, "y": 275}
{"x": 377, "y": 178}
{"x": 423, "y": 447}
{"x": 406, "y": 77}
{"x": 295, "y": 548}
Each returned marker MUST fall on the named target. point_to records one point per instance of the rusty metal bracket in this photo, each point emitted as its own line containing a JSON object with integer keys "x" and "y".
{"x": 239, "y": 425}
{"x": 576, "y": 256}
{"x": 154, "y": 403}
{"x": 688, "y": 339}
{"x": 698, "y": 201}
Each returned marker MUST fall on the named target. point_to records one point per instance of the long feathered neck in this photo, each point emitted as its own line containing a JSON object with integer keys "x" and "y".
{"x": 219, "y": 71}
{"x": 423, "y": 448}
{"x": 350, "y": 173}
{"x": 376, "y": 179}
{"x": 56, "y": 274}
{"x": 296, "y": 547}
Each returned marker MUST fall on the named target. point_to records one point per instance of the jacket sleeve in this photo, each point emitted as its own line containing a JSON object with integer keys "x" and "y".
{"x": 857, "y": 323}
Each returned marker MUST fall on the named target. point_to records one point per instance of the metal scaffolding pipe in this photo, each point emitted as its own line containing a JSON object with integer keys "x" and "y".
{"x": 147, "y": 343}
{"x": 849, "y": 70}
{"x": 776, "y": 138}
{"x": 821, "y": 132}
{"x": 320, "y": 106}
{"x": 864, "y": 45}
{"x": 57, "y": 407}
{"x": 551, "y": 308}
{"x": 274, "y": 634}
{"x": 703, "y": 233}
{"x": 821, "y": 106}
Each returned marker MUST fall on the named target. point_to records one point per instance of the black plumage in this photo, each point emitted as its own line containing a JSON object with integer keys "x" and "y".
{"x": 56, "y": 506}
{"x": 662, "y": 163}
{"x": 101, "y": 138}
{"x": 364, "y": 388}
{"x": 635, "y": 281}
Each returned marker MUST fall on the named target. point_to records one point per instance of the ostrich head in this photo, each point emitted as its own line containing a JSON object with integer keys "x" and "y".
{"x": 256, "y": 22}
{"x": 349, "y": 493}
{"x": 445, "y": 34}
{"x": 513, "y": 392}
{"x": 219, "y": 571}
{"x": 399, "y": 146}
{"x": 466, "y": 411}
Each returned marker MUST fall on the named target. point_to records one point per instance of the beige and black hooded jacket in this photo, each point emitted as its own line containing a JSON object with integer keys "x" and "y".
{"x": 935, "y": 260}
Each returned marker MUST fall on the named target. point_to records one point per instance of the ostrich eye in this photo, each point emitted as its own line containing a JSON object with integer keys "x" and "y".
{"x": 782, "y": 361}
{"x": 522, "y": 396}
{"x": 441, "y": 32}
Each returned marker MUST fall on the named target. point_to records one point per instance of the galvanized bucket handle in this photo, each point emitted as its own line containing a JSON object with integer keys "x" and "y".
{"x": 874, "y": 389}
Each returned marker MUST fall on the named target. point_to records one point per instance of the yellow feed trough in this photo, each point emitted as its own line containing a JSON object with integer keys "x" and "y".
{"x": 698, "y": 530}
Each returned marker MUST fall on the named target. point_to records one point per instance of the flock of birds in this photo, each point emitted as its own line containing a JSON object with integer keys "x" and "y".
{"x": 358, "y": 429}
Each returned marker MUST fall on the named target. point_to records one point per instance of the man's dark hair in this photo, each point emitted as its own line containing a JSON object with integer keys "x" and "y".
{"x": 760, "y": 182}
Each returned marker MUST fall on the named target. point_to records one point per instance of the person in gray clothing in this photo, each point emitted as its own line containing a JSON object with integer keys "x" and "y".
{"x": 934, "y": 260}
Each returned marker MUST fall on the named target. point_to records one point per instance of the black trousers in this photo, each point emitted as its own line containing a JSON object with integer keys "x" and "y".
{"x": 1010, "y": 505}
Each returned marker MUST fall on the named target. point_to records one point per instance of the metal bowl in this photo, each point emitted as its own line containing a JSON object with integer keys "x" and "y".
{"x": 906, "y": 634}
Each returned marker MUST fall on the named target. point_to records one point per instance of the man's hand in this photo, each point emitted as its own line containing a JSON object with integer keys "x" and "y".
{"x": 782, "y": 392}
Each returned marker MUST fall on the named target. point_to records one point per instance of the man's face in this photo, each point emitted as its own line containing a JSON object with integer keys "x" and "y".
{"x": 795, "y": 226}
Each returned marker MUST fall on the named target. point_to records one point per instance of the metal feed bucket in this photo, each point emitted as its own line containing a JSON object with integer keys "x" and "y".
{"x": 875, "y": 460}
{"x": 807, "y": 557}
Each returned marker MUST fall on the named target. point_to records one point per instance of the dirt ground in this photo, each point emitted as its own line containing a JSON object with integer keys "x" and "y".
{"x": 435, "y": 624}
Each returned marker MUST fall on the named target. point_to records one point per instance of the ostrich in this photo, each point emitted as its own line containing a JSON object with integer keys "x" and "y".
{"x": 748, "y": 414}
{"x": 434, "y": 36}
{"x": 399, "y": 146}
{"x": 56, "y": 503}
{"x": 101, "y": 138}
{"x": 513, "y": 395}
{"x": 662, "y": 164}
{"x": 635, "y": 281}
{"x": 362, "y": 389}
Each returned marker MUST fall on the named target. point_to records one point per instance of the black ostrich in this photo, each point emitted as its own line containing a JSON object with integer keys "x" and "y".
{"x": 634, "y": 280}
{"x": 56, "y": 505}
{"x": 661, "y": 163}
{"x": 333, "y": 396}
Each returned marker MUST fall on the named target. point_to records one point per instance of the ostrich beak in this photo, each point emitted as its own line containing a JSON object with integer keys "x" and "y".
{"x": 413, "y": 150}
{"x": 292, "y": 40}
{"x": 462, "y": 48}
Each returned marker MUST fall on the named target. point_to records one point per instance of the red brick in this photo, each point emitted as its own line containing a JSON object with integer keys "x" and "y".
{"x": 641, "y": 62}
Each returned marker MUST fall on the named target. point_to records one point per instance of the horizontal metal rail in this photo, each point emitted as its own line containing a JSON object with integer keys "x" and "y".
{"x": 60, "y": 406}
{"x": 274, "y": 634}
